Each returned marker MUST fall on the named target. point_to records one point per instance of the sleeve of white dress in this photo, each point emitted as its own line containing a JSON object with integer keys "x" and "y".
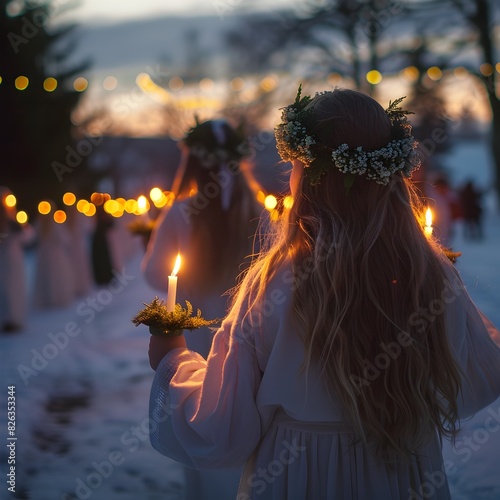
{"x": 203, "y": 412}
{"x": 471, "y": 336}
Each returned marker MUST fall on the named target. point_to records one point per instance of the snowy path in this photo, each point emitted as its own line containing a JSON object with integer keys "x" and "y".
{"x": 82, "y": 397}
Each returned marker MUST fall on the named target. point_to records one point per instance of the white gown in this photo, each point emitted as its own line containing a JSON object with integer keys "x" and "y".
{"x": 249, "y": 403}
{"x": 13, "y": 294}
{"x": 54, "y": 275}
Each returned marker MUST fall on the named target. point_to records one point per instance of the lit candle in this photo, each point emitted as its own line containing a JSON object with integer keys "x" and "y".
{"x": 172, "y": 285}
{"x": 428, "y": 223}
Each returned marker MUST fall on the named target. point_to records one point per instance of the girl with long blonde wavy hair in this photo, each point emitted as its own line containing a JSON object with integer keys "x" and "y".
{"x": 352, "y": 345}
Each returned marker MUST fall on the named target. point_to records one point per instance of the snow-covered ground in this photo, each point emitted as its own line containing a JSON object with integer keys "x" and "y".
{"x": 82, "y": 381}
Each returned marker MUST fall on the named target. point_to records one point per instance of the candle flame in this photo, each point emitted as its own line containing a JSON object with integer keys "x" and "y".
{"x": 177, "y": 265}
{"x": 428, "y": 217}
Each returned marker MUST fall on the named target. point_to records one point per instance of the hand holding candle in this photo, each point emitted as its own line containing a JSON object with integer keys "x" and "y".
{"x": 172, "y": 285}
{"x": 167, "y": 319}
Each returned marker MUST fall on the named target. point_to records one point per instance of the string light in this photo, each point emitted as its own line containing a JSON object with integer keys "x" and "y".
{"x": 22, "y": 217}
{"x": 50, "y": 84}
{"x": 374, "y": 77}
{"x": 44, "y": 207}
{"x": 10, "y": 200}
{"x": 434, "y": 73}
{"x": 69, "y": 199}
{"x": 21, "y": 82}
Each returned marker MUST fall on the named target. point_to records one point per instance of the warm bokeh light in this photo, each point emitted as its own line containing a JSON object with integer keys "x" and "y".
{"x": 275, "y": 215}
{"x": 130, "y": 206}
{"x": 97, "y": 199}
{"x": 69, "y": 199}
{"x": 82, "y": 205}
{"x": 177, "y": 265}
{"x": 142, "y": 204}
{"x": 428, "y": 222}
{"x": 269, "y": 83}
{"x": 90, "y": 210}
{"x": 261, "y": 197}
{"x": 156, "y": 194}
{"x": 497, "y": 67}
{"x": 80, "y": 84}
{"x": 50, "y": 84}
{"x": 237, "y": 84}
{"x": 10, "y": 200}
{"x": 460, "y": 72}
{"x": 434, "y": 73}
{"x": 206, "y": 84}
{"x": 1, "y": 80}
{"x": 21, "y": 82}
{"x": 176, "y": 83}
{"x": 486, "y": 69}
{"x": 270, "y": 202}
{"x": 60, "y": 216}
{"x": 110, "y": 83}
{"x": 111, "y": 206}
{"x": 44, "y": 207}
{"x": 374, "y": 77}
{"x": 22, "y": 217}
{"x": 334, "y": 79}
{"x": 410, "y": 73}
{"x": 288, "y": 202}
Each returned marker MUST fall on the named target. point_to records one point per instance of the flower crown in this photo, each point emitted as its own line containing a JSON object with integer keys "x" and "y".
{"x": 294, "y": 142}
{"x": 216, "y": 141}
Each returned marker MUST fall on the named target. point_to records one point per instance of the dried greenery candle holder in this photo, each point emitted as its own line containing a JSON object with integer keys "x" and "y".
{"x": 171, "y": 323}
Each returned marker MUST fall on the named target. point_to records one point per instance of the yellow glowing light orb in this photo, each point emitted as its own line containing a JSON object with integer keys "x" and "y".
{"x": 82, "y": 205}
{"x": 410, "y": 73}
{"x": 21, "y": 82}
{"x": 10, "y": 200}
{"x": 142, "y": 204}
{"x": 69, "y": 199}
{"x": 22, "y": 217}
{"x": 90, "y": 210}
{"x": 80, "y": 84}
{"x": 44, "y": 207}
{"x": 288, "y": 202}
{"x": 270, "y": 202}
{"x": 434, "y": 73}
{"x": 261, "y": 196}
{"x": 121, "y": 202}
{"x": 50, "y": 84}
{"x": 161, "y": 202}
{"x": 268, "y": 83}
{"x": 111, "y": 206}
{"x": 156, "y": 194}
{"x": 130, "y": 206}
{"x": 374, "y": 77}
{"x": 60, "y": 216}
{"x": 275, "y": 215}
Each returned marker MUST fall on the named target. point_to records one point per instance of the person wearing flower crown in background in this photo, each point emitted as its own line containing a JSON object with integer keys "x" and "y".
{"x": 351, "y": 346}
{"x": 213, "y": 231}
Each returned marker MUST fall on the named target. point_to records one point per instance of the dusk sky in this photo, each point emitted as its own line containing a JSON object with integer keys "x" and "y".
{"x": 95, "y": 10}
